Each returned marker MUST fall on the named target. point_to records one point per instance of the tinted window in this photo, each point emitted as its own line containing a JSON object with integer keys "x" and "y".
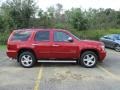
{"x": 21, "y": 35}
{"x": 117, "y": 37}
{"x": 61, "y": 36}
{"x": 111, "y": 37}
{"x": 107, "y": 37}
{"x": 42, "y": 36}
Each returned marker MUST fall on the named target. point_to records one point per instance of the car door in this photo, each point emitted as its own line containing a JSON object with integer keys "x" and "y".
{"x": 107, "y": 41}
{"x": 110, "y": 41}
{"x": 42, "y": 44}
{"x": 62, "y": 48}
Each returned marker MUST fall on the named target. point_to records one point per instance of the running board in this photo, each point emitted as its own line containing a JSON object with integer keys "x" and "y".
{"x": 57, "y": 61}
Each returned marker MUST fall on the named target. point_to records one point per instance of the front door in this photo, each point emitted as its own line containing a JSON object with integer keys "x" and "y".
{"x": 62, "y": 48}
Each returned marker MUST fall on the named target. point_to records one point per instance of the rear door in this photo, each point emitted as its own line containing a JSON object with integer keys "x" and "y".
{"x": 62, "y": 48}
{"x": 42, "y": 44}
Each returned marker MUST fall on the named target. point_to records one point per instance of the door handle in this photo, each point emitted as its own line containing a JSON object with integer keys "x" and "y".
{"x": 35, "y": 44}
{"x": 56, "y": 45}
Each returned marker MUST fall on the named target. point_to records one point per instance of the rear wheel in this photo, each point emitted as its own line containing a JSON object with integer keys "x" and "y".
{"x": 117, "y": 48}
{"x": 27, "y": 59}
{"x": 88, "y": 59}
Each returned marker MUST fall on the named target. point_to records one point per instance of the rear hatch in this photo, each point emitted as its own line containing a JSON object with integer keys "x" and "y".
{"x": 18, "y": 37}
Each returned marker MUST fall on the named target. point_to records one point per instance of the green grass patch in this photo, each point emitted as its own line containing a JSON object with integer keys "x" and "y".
{"x": 2, "y": 47}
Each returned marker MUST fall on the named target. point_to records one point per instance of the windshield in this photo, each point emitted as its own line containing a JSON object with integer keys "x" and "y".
{"x": 75, "y": 37}
{"x": 117, "y": 37}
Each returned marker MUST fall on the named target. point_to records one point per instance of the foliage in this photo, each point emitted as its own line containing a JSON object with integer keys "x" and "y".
{"x": 19, "y": 12}
{"x": 3, "y": 37}
{"x": 77, "y": 18}
{"x": 2, "y": 47}
{"x": 91, "y": 23}
{"x": 94, "y": 34}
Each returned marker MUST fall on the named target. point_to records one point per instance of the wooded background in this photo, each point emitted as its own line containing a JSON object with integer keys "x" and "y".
{"x": 89, "y": 24}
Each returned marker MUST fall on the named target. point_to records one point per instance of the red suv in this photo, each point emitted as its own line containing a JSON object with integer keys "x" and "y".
{"x": 29, "y": 46}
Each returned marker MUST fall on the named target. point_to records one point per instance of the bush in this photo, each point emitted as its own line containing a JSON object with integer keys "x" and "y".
{"x": 3, "y": 38}
{"x": 94, "y": 34}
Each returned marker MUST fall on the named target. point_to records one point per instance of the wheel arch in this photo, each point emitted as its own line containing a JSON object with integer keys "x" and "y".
{"x": 116, "y": 44}
{"x": 93, "y": 50}
{"x": 25, "y": 50}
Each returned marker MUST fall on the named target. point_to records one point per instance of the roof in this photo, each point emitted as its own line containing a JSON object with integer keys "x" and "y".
{"x": 38, "y": 29}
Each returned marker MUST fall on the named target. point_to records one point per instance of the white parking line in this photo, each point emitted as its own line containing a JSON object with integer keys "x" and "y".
{"x": 112, "y": 75}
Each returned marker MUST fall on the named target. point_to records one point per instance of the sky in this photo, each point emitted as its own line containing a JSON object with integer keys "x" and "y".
{"x": 85, "y": 4}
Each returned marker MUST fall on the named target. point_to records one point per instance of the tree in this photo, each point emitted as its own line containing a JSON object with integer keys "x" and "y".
{"x": 59, "y": 9}
{"x": 77, "y": 19}
{"x": 20, "y": 12}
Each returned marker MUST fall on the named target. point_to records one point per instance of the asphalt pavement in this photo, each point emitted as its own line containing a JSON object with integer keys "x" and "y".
{"x": 61, "y": 76}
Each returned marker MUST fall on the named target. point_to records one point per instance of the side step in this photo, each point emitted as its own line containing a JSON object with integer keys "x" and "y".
{"x": 58, "y": 61}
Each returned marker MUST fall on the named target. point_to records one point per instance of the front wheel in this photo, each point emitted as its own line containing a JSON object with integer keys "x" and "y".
{"x": 27, "y": 59}
{"x": 117, "y": 48}
{"x": 88, "y": 59}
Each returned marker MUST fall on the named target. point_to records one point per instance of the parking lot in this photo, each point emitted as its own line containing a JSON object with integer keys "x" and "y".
{"x": 61, "y": 76}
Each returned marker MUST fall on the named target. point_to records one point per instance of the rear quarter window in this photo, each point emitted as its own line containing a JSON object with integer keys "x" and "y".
{"x": 21, "y": 35}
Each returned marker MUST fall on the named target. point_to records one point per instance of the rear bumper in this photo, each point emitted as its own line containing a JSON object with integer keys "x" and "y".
{"x": 102, "y": 55}
{"x": 11, "y": 54}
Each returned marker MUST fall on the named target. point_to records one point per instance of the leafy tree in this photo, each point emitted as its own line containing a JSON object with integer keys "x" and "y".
{"x": 77, "y": 19}
{"x": 20, "y": 12}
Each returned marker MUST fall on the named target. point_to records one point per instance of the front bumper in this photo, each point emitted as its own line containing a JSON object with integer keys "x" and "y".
{"x": 102, "y": 55}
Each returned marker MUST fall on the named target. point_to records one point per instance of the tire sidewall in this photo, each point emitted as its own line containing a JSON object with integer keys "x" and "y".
{"x": 33, "y": 59}
{"x": 115, "y": 48}
{"x": 86, "y": 53}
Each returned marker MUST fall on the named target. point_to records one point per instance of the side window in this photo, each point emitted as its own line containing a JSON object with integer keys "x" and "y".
{"x": 21, "y": 35}
{"x": 107, "y": 37}
{"x": 42, "y": 36}
{"x": 60, "y": 36}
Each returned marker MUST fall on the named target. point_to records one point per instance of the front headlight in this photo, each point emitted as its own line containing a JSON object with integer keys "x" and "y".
{"x": 103, "y": 46}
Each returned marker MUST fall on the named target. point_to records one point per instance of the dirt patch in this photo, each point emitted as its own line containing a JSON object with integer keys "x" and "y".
{"x": 68, "y": 75}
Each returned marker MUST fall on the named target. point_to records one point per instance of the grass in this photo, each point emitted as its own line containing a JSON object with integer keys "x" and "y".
{"x": 2, "y": 47}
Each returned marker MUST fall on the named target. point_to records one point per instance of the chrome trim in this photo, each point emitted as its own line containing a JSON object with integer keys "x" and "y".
{"x": 57, "y": 61}
{"x": 35, "y": 44}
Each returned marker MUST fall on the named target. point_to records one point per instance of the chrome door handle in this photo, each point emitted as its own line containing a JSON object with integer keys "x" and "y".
{"x": 35, "y": 44}
{"x": 55, "y": 45}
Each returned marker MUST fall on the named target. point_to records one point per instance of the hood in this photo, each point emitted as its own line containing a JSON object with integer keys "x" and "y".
{"x": 91, "y": 42}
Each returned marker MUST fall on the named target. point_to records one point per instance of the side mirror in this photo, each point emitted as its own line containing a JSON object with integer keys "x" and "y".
{"x": 70, "y": 39}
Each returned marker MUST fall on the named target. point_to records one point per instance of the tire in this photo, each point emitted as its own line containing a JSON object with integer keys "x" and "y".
{"x": 117, "y": 48}
{"x": 88, "y": 59}
{"x": 27, "y": 59}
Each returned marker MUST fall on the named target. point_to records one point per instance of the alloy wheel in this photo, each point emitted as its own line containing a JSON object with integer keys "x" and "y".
{"x": 26, "y": 60}
{"x": 89, "y": 60}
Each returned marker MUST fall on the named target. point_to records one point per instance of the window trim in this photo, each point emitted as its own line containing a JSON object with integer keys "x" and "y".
{"x": 42, "y": 40}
